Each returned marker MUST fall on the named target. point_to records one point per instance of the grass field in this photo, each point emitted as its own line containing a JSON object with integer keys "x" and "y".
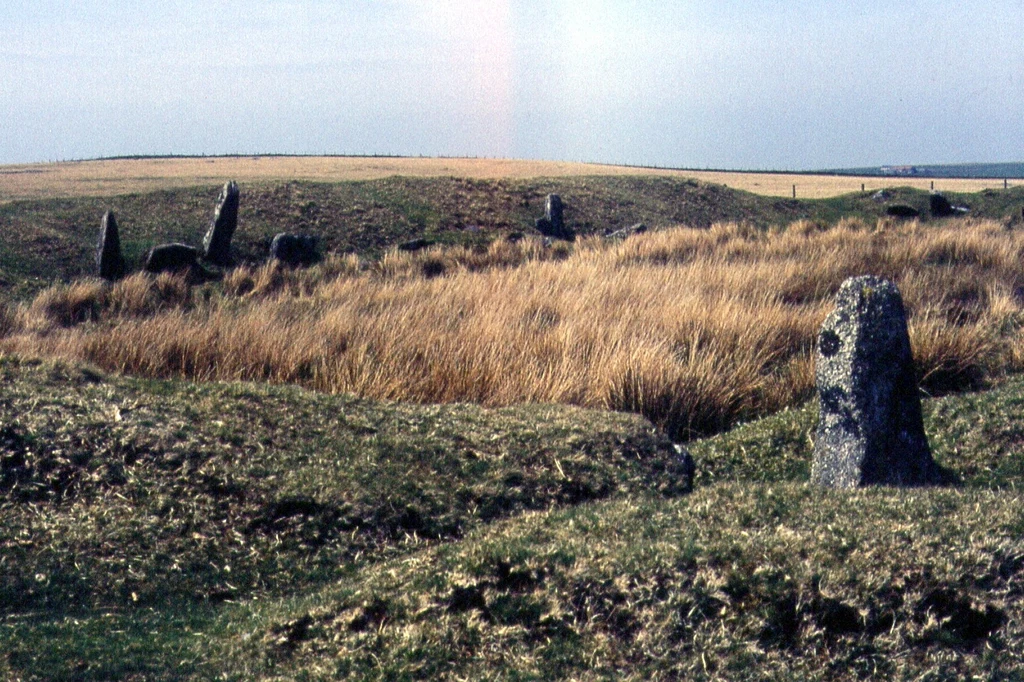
{"x": 459, "y": 463}
{"x": 126, "y": 176}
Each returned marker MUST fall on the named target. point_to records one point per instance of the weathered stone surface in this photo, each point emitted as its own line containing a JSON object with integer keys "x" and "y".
{"x": 294, "y": 249}
{"x": 940, "y": 206}
{"x": 870, "y": 430}
{"x": 553, "y": 223}
{"x": 217, "y": 242}
{"x": 902, "y": 211}
{"x": 109, "y": 260}
{"x": 171, "y": 258}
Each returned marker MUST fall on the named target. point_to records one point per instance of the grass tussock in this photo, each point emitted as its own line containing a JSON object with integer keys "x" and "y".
{"x": 696, "y": 329}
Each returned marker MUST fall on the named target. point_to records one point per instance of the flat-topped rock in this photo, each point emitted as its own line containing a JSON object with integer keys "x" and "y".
{"x": 870, "y": 430}
{"x": 171, "y": 258}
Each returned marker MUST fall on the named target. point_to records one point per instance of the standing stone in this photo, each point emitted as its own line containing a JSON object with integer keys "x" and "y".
{"x": 109, "y": 260}
{"x": 217, "y": 242}
{"x": 553, "y": 224}
{"x": 940, "y": 206}
{"x": 171, "y": 258}
{"x": 294, "y": 249}
{"x": 870, "y": 429}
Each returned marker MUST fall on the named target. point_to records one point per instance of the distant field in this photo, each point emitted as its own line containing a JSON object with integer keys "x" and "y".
{"x": 125, "y": 176}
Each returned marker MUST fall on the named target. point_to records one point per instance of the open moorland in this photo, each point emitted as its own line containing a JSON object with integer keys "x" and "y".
{"x": 111, "y": 177}
{"x": 461, "y": 462}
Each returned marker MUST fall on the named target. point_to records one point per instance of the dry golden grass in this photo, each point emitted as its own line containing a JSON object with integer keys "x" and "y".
{"x": 120, "y": 176}
{"x": 695, "y": 329}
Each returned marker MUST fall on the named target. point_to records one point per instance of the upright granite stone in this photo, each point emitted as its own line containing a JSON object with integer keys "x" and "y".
{"x": 171, "y": 258}
{"x": 553, "y": 224}
{"x": 217, "y": 242}
{"x": 109, "y": 260}
{"x": 294, "y": 249}
{"x": 870, "y": 430}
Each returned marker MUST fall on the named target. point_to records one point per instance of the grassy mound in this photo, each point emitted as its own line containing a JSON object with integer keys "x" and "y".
{"x": 270, "y": 533}
{"x": 119, "y": 492}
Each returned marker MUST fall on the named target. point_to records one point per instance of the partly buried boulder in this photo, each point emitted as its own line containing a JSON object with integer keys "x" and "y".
{"x": 294, "y": 249}
{"x": 870, "y": 429}
{"x": 902, "y": 211}
{"x": 171, "y": 258}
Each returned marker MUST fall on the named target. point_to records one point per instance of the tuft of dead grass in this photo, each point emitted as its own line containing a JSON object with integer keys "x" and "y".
{"x": 695, "y": 329}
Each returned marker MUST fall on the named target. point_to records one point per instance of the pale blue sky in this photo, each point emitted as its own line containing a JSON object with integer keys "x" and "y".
{"x": 761, "y": 84}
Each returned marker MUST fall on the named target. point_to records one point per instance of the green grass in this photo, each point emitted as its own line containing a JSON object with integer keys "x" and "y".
{"x": 235, "y": 531}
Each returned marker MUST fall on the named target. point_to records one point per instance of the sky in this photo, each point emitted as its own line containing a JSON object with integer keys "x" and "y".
{"x": 725, "y": 84}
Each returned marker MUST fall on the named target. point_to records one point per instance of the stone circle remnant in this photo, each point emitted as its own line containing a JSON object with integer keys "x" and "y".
{"x": 294, "y": 249}
{"x": 870, "y": 430}
{"x": 553, "y": 223}
{"x": 217, "y": 242}
{"x": 109, "y": 259}
{"x": 171, "y": 258}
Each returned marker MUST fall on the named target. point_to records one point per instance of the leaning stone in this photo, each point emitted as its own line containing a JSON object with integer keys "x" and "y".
{"x": 940, "y": 206}
{"x": 171, "y": 258}
{"x": 217, "y": 242}
{"x": 109, "y": 260}
{"x": 902, "y": 211}
{"x": 294, "y": 249}
{"x": 870, "y": 430}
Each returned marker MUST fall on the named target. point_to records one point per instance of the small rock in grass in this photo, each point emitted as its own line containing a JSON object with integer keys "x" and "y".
{"x": 417, "y": 244}
{"x": 294, "y": 249}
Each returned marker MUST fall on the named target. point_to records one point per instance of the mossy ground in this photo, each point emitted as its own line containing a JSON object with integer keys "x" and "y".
{"x": 169, "y": 530}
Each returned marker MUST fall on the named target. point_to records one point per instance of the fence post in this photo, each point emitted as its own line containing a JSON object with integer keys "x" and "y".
{"x": 794, "y": 191}
{"x": 1006, "y": 183}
